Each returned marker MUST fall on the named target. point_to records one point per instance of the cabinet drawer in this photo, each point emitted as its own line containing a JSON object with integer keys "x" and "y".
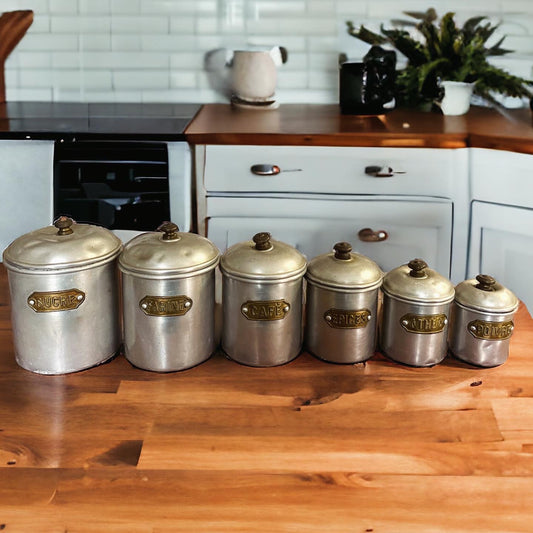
{"x": 502, "y": 177}
{"x": 413, "y": 229}
{"x": 333, "y": 170}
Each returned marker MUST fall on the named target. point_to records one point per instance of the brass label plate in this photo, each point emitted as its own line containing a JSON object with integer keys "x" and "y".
{"x": 266, "y": 310}
{"x": 347, "y": 319}
{"x": 165, "y": 305}
{"x": 50, "y": 301}
{"x": 491, "y": 331}
{"x": 424, "y": 323}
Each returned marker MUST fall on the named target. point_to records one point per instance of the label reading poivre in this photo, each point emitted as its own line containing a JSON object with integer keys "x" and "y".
{"x": 165, "y": 305}
{"x": 347, "y": 319}
{"x": 50, "y": 301}
{"x": 424, "y": 323}
{"x": 491, "y": 331}
{"x": 265, "y": 309}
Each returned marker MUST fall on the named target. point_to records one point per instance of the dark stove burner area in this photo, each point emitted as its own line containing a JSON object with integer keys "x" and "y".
{"x": 116, "y": 184}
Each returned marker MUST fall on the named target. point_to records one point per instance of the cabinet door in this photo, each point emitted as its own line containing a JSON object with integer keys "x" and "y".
{"x": 407, "y": 229}
{"x": 26, "y": 187}
{"x": 501, "y": 245}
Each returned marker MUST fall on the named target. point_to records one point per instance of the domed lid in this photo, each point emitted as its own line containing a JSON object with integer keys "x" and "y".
{"x": 168, "y": 252}
{"x": 344, "y": 269}
{"x": 263, "y": 258}
{"x": 65, "y": 245}
{"x": 484, "y": 293}
{"x": 417, "y": 283}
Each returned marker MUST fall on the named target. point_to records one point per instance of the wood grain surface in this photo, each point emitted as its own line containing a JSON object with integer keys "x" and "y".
{"x": 306, "y": 447}
{"x": 323, "y": 125}
{"x": 13, "y": 26}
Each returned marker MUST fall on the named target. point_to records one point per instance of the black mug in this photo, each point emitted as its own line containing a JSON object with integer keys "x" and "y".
{"x": 367, "y": 88}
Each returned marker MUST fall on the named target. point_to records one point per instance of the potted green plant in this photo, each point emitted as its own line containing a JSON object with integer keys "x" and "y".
{"x": 443, "y": 51}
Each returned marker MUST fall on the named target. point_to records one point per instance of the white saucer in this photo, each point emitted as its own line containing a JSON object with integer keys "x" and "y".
{"x": 245, "y": 104}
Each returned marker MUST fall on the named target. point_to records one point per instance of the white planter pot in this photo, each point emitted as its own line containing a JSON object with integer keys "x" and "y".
{"x": 456, "y": 99}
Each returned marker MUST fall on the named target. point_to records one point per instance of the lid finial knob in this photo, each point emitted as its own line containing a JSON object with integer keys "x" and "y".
{"x": 63, "y": 225}
{"x": 342, "y": 250}
{"x": 417, "y": 267}
{"x": 486, "y": 282}
{"x": 170, "y": 231}
{"x": 262, "y": 241}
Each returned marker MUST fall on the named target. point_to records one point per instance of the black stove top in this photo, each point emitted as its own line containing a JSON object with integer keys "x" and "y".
{"x": 50, "y": 120}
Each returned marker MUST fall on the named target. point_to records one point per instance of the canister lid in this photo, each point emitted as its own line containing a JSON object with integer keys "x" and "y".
{"x": 263, "y": 258}
{"x": 65, "y": 245}
{"x": 417, "y": 283}
{"x": 484, "y": 293}
{"x": 168, "y": 252}
{"x": 343, "y": 268}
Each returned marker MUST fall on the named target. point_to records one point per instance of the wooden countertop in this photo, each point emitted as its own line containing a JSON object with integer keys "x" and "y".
{"x": 322, "y": 124}
{"x": 306, "y": 447}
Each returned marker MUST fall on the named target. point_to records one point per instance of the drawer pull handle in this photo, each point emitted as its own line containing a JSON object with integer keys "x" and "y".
{"x": 369, "y": 235}
{"x": 381, "y": 172}
{"x": 265, "y": 170}
{"x": 270, "y": 170}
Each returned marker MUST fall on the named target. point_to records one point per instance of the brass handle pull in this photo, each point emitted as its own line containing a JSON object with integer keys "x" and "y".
{"x": 369, "y": 235}
{"x": 382, "y": 172}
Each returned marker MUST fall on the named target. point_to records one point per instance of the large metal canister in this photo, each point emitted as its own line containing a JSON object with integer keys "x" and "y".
{"x": 168, "y": 292}
{"x": 341, "y": 305}
{"x": 415, "y": 314}
{"x": 262, "y": 295}
{"x": 64, "y": 296}
{"x": 482, "y": 321}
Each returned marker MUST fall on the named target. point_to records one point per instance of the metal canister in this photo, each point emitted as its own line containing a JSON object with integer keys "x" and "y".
{"x": 341, "y": 304}
{"x": 415, "y": 314}
{"x": 482, "y": 321}
{"x": 262, "y": 294}
{"x": 168, "y": 292}
{"x": 64, "y": 294}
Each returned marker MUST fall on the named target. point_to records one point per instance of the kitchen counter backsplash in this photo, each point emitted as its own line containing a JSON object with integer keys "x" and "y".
{"x": 155, "y": 50}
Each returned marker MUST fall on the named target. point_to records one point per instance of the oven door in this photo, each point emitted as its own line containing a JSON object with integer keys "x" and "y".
{"x": 126, "y": 186}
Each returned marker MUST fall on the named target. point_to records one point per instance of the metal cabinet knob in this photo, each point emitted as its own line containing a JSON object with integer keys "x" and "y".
{"x": 369, "y": 235}
{"x": 265, "y": 170}
{"x": 381, "y": 172}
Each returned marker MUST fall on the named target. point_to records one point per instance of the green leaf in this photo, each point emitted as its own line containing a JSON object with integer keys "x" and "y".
{"x": 366, "y": 35}
{"x": 404, "y": 43}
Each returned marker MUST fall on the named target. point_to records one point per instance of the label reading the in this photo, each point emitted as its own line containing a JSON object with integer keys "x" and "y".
{"x": 347, "y": 319}
{"x": 424, "y": 323}
{"x": 165, "y": 305}
{"x": 265, "y": 309}
{"x": 491, "y": 331}
{"x": 47, "y": 302}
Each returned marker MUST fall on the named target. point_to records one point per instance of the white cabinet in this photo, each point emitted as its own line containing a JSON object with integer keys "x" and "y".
{"x": 26, "y": 187}
{"x": 416, "y": 205}
{"x": 501, "y": 236}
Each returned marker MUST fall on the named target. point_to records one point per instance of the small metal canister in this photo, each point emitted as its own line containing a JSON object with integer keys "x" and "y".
{"x": 415, "y": 314}
{"x": 342, "y": 300}
{"x": 482, "y": 321}
{"x": 262, "y": 301}
{"x": 64, "y": 295}
{"x": 168, "y": 291}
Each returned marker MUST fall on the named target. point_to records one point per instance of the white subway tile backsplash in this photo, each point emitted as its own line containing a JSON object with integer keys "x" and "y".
{"x": 183, "y": 79}
{"x": 154, "y": 50}
{"x": 136, "y": 79}
{"x": 94, "y": 6}
{"x": 94, "y": 41}
{"x": 183, "y": 25}
{"x": 125, "y": 42}
{"x": 132, "y": 25}
{"x": 48, "y": 41}
{"x": 129, "y": 7}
